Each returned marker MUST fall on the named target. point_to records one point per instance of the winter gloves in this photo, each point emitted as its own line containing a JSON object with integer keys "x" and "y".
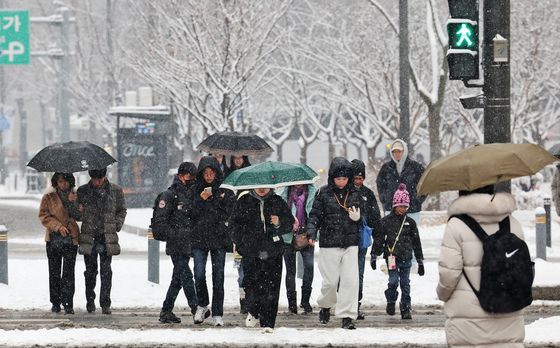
{"x": 420, "y": 267}
{"x": 373, "y": 262}
{"x": 354, "y": 213}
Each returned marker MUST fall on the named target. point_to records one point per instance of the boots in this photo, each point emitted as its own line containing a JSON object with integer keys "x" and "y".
{"x": 305, "y": 295}
{"x": 405, "y": 313}
{"x": 292, "y": 302}
{"x": 361, "y": 315}
{"x": 324, "y": 315}
{"x": 390, "y": 309}
{"x": 348, "y": 324}
{"x": 242, "y": 306}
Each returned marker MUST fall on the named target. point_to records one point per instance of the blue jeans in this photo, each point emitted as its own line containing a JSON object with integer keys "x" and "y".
{"x": 308, "y": 263}
{"x": 218, "y": 257}
{"x": 182, "y": 278}
{"x": 400, "y": 275}
{"x": 361, "y": 267}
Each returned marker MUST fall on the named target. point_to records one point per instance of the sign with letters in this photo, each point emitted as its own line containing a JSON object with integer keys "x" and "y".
{"x": 14, "y": 37}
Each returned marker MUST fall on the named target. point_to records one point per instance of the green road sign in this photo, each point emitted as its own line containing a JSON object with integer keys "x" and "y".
{"x": 14, "y": 37}
{"x": 463, "y": 34}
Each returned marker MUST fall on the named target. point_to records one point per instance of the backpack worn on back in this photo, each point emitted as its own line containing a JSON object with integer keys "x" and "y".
{"x": 159, "y": 230}
{"x": 507, "y": 271}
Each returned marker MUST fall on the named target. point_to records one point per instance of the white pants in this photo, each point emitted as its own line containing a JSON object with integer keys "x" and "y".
{"x": 339, "y": 270}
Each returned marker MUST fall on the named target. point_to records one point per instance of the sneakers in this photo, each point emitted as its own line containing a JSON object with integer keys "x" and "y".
{"x": 324, "y": 315}
{"x": 55, "y": 308}
{"x": 251, "y": 321}
{"x": 266, "y": 330}
{"x": 68, "y": 310}
{"x": 201, "y": 314}
{"x": 168, "y": 318}
{"x": 348, "y": 324}
{"x": 106, "y": 310}
{"x": 243, "y": 306}
{"x": 390, "y": 309}
{"x": 218, "y": 321}
{"x": 90, "y": 307}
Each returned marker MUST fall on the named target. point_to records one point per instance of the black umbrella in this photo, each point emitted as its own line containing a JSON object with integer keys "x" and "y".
{"x": 555, "y": 150}
{"x": 235, "y": 143}
{"x": 70, "y": 157}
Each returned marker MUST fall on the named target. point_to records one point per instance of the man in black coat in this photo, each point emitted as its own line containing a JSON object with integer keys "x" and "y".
{"x": 171, "y": 218}
{"x": 400, "y": 169}
{"x": 336, "y": 217}
{"x": 257, "y": 223}
{"x": 373, "y": 216}
{"x": 211, "y": 207}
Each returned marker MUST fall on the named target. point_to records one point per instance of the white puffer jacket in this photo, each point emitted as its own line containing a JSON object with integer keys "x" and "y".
{"x": 467, "y": 324}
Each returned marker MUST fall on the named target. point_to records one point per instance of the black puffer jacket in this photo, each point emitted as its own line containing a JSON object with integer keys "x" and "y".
{"x": 252, "y": 236}
{"x": 327, "y": 216}
{"x": 209, "y": 216}
{"x": 409, "y": 239}
{"x": 371, "y": 213}
{"x": 388, "y": 181}
{"x": 171, "y": 214}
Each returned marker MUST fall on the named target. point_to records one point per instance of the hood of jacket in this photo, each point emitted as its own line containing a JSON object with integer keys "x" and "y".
{"x": 483, "y": 208}
{"x": 400, "y": 164}
{"x": 209, "y": 162}
{"x": 359, "y": 168}
{"x": 340, "y": 166}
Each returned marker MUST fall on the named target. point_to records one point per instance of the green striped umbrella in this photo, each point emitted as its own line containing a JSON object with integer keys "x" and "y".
{"x": 270, "y": 175}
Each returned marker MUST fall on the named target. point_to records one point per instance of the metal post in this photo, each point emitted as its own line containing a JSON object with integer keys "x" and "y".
{"x": 22, "y": 135}
{"x": 547, "y": 202}
{"x": 404, "y": 83}
{"x": 63, "y": 76}
{"x": 153, "y": 258}
{"x": 497, "y": 110}
{"x": 3, "y": 254}
{"x": 540, "y": 229}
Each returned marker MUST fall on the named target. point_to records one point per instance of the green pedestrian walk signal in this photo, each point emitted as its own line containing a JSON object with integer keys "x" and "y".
{"x": 14, "y": 37}
{"x": 462, "y": 31}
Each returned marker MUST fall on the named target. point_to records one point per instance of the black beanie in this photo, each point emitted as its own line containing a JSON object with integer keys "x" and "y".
{"x": 97, "y": 173}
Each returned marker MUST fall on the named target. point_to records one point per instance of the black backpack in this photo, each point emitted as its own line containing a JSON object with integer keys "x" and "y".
{"x": 507, "y": 271}
{"x": 159, "y": 231}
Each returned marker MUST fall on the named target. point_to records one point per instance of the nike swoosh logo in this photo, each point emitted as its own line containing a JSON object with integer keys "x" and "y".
{"x": 508, "y": 255}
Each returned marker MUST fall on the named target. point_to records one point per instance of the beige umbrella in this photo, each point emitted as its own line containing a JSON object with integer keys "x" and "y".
{"x": 483, "y": 165}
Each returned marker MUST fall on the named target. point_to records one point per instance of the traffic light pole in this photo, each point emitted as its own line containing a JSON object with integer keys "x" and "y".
{"x": 497, "y": 89}
{"x": 404, "y": 79}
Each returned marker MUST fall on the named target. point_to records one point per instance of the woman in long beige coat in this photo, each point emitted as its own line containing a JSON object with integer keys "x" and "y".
{"x": 58, "y": 213}
{"x": 467, "y": 324}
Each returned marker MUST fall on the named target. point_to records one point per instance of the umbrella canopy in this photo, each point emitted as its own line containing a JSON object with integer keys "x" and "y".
{"x": 235, "y": 143}
{"x": 483, "y": 165}
{"x": 555, "y": 150}
{"x": 270, "y": 175}
{"x": 70, "y": 157}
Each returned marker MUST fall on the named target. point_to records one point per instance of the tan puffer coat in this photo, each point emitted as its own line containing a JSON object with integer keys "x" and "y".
{"x": 467, "y": 324}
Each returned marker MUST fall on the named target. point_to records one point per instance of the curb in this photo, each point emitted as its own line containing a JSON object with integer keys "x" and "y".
{"x": 547, "y": 293}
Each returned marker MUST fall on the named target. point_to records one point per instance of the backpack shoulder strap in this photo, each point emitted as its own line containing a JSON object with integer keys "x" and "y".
{"x": 473, "y": 225}
{"x": 505, "y": 225}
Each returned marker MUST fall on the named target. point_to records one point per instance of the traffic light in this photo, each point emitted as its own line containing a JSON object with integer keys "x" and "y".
{"x": 462, "y": 30}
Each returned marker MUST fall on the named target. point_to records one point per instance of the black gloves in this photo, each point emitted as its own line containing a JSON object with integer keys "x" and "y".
{"x": 420, "y": 268}
{"x": 373, "y": 262}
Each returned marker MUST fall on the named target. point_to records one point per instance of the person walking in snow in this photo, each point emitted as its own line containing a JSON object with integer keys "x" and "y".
{"x": 103, "y": 212}
{"x": 467, "y": 324}
{"x": 300, "y": 199}
{"x": 171, "y": 216}
{"x": 336, "y": 216}
{"x": 397, "y": 239}
{"x": 400, "y": 169}
{"x": 257, "y": 223}
{"x": 239, "y": 162}
{"x": 58, "y": 212}
{"x": 211, "y": 207}
{"x": 373, "y": 217}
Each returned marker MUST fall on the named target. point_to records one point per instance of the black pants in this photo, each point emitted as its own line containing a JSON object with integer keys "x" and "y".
{"x": 62, "y": 286}
{"x": 290, "y": 255}
{"x": 182, "y": 278}
{"x": 262, "y": 287}
{"x": 91, "y": 275}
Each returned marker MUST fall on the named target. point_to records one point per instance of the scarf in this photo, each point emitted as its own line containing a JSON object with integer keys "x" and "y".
{"x": 261, "y": 205}
{"x": 298, "y": 197}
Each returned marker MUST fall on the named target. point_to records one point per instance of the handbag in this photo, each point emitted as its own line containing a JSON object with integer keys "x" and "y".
{"x": 365, "y": 235}
{"x": 60, "y": 242}
{"x": 300, "y": 241}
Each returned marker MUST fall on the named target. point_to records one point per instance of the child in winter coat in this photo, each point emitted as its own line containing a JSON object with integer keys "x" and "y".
{"x": 397, "y": 239}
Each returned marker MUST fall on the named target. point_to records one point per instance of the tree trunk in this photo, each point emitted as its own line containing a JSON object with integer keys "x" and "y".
{"x": 280, "y": 153}
{"x": 435, "y": 146}
{"x": 303, "y": 153}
